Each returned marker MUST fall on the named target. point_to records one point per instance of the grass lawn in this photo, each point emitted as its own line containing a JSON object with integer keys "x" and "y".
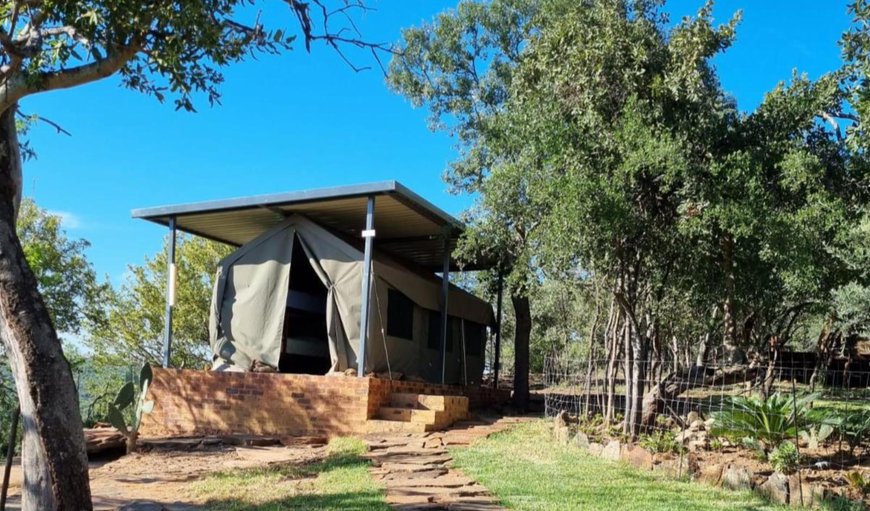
{"x": 530, "y": 471}
{"x": 341, "y": 482}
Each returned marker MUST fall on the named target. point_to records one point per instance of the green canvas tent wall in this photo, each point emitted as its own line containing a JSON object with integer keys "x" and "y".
{"x": 291, "y": 298}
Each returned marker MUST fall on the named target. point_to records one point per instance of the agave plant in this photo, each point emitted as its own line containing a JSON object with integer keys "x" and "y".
{"x": 126, "y": 397}
{"x": 769, "y": 421}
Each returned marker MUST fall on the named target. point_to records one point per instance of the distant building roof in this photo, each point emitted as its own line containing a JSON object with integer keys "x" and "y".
{"x": 408, "y": 226}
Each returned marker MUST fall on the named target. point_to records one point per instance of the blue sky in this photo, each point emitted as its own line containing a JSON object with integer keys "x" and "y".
{"x": 299, "y": 121}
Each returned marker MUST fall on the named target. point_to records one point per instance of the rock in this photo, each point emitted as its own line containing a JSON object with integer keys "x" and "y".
{"x": 696, "y": 425}
{"x": 692, "y": 417}
{"x": 708, "y": 424}
{"x": 776, "y": 488}
{"x": 595, "y": 448}
{"x": 697, "y": 444}
{"x": 637, "y": 456}
{"x": 581, "y": 440}
{"x": 561, "y": 419}
{"x": 710, "y": 473}
{"x": 562, "y": 434}
{"x": 670, "y": 467}
{"x": 736, "y": 477}
{"x": 611, "y": 450}
{"x": 804, "y": 493}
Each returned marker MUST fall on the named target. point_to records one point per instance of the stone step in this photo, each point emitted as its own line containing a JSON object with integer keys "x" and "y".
{"x": 412, "y": 415}
{"x": 392, "y": 426}
{"x": 428, "y": 402}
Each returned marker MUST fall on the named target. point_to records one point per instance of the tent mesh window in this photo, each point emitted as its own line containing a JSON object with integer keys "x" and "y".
{"x": 475, "y": 335}
{"x": 434, "y": 340}
{"x": 400, "y": 315}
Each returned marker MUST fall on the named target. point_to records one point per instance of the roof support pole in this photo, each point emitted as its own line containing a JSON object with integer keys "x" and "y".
{"x": 445, "y": 290}
{"x": 496, "y": 365}
{"x": 369, "y": 235}
{"x": 170, "y": 293}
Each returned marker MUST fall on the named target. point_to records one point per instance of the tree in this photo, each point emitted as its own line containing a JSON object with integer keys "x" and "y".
{"x": 604, "y": 152}
{"x": 65, "y": 277}
{"x": 460, "y": 67}
{"x": 131, "y": 329}
{"x": 165, "y": 49}
{"x": 67, "y": 280}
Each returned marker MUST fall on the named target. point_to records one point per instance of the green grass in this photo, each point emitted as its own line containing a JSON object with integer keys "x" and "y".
{"x": 527, "y": 470}
{"x": 341, "y": 482}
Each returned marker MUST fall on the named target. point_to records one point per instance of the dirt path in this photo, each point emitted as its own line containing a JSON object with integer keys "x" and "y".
{"x": 160, "y": 480}
{"x": 415, "y": 468}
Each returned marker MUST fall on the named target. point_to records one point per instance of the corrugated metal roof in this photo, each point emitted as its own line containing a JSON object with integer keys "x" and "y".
{"x": 408, "y": 226}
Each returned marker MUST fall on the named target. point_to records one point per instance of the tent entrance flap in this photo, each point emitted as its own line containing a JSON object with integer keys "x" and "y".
{"x": 305, "y": 343}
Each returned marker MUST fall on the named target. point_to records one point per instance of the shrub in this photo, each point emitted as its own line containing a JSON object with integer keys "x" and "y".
{"x": 770, "y": 421}
{"x": 842, "y": 504}
{"x": 854, "y": 426}
{"x": 785, "y": 458}
{"x": 661, "y": 441}
{"x": 814, "y": 435}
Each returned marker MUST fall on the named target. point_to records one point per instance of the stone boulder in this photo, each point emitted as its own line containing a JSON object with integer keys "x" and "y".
{"x": 595, "y": 448}
{"x": 776, "y": 488}
{"x": 581, "y": 440}
{"x": 736, "y": 477}
{"x": 611, "y": 450}
{"x": 637, "y": 457}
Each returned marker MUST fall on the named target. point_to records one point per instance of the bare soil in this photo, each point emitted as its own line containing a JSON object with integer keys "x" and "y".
{"x": 160, "y": 479}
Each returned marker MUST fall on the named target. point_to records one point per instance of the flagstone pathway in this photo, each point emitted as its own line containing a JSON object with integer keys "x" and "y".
{"x": 415, "y": 468}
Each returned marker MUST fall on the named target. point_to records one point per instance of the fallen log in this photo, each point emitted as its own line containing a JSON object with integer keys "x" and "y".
{"x": 678, "y": 383}
{"x": 99, "y": 440}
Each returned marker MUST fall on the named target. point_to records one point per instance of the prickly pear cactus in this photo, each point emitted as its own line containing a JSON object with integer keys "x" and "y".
{"x": 126, "y": 397}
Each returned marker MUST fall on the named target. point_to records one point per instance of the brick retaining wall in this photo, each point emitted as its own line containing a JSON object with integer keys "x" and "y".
{"x": 195, "y": 403}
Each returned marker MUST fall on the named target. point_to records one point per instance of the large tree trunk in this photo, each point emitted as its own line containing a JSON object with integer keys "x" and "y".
{"x": 55, "y": 465}
{"x": 733, "y": 353}
{"x": 522, "y": 334}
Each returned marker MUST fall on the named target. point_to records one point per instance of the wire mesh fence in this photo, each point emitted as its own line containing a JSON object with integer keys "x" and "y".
{"x": 800, "y": 420}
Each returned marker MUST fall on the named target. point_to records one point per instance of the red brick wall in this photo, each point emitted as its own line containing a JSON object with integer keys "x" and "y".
{"x": 193, "y": 403}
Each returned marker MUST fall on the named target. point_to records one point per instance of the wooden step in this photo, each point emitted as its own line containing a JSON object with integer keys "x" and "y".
{"x": 388, "y": 426}
{"x": 412, "y": 415}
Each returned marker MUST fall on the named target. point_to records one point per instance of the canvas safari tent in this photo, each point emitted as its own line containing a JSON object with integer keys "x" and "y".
{"x": 331, "y": 280}
{"x": 291, "y": 299}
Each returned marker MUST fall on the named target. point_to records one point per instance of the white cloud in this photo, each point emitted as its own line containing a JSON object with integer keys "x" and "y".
{"x": 67, "y": 219}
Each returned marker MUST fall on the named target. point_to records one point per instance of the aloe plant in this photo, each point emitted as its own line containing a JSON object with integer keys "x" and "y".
{"x": 126, "y": 397}
{"x": 770, "y": 421}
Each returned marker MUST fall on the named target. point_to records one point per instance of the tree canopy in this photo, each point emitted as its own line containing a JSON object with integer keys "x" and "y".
{"x": 131, "y": 326}
{"x": 605, "y": 155}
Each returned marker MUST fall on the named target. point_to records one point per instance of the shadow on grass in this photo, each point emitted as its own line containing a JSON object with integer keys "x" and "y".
{"x": 341, "y": 482}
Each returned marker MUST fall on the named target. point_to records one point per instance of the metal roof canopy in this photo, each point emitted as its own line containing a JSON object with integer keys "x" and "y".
{"x": 408, "y": 227}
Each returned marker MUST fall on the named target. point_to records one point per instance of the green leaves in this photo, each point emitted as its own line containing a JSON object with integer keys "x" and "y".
{"x": 66, "y": 278}
{"x": 130, "y": 325}
{"x": 770, "y": 421}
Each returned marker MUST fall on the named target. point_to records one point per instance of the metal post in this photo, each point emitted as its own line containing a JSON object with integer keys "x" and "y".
{"x": 170, "y": 294}
{"x": 499, "y": 295}
{"x": 445, "y": 290}
{"x": 369, "y": 235}
{"x": 10, "y": 451}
